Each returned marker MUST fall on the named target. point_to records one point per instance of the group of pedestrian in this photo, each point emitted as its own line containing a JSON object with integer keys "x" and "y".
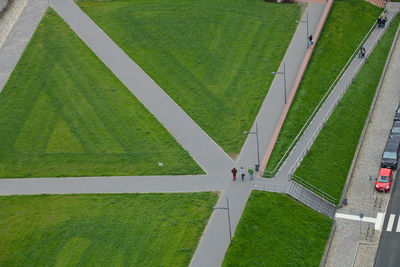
{"x": 242, "y": 173}
{"x": 382, "y": 20}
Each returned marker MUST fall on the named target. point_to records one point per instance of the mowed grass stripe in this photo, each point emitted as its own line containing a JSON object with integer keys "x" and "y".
{"x": 211, "y": 57}
{"x": 102, "y": 229}
{"x": 346, "y": 26}
{"x": 63, "y": 113}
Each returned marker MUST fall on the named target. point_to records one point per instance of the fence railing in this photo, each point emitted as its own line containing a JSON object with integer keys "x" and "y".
{"x": 314, "y": 189}
{"x": 318, "y": 107}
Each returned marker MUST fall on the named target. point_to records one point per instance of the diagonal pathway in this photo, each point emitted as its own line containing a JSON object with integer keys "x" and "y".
{"x": 200, "y": 146}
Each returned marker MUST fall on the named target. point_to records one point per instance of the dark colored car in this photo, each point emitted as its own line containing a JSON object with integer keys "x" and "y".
{"x": 397, "y": 116}
{"x": 390, "y": 156}
{"x": 384, "y": 180}
{"x": 395, "y": 128}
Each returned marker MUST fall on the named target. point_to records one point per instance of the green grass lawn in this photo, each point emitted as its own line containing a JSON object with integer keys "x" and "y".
{"x": 345, "y": 27}
{"x": 63, "y": 113}
{"x": 213, "y": 57}
{"x": 335, "y": 145}
{"x": 102, "y": 229}
{"x": 276, "y": 230}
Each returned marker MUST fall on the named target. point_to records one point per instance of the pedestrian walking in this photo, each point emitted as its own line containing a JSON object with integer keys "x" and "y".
{"x": 362, "y": 52}
{"x": 242, "y": 173}
{"x": 250, "y": 171}
{"x": 234, "y": 171}
{"x": 311, "y": 40}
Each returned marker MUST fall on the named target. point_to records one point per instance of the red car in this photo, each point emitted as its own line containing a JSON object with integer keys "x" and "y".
{"x": 384, "y": 180}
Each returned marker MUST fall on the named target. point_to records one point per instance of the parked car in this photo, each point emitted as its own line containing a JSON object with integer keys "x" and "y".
{"x": 397, "y": 116}
{"x": 395, "y": 128}
{"x": 384, "y": 180}
{"x": 390, "y": 156}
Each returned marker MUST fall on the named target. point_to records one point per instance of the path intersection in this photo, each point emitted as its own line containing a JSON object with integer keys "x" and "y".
{"x": 204, "y": 150}
{"x": 215, "y": 162}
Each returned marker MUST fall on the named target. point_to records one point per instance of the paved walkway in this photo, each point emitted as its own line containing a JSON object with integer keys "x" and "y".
{"x": 205, "y": 151}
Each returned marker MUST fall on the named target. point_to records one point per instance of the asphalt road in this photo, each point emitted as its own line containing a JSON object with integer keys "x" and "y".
{"x": 389, "y": 246}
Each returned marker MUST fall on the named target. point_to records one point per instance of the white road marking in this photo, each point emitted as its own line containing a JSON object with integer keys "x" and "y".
{"x": 379, "y": 221}
{"x": 390, "y": 223}
{"x": 347, "y": 216}
{"x": 398, "y": 225}
{"x": 355, "y": 217}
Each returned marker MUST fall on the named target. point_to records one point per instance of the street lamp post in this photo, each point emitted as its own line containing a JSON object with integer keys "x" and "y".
{"x": 229, "y": 217}
{"x": 258, "y": 148}
{"x": 305, "y": 21}
{"x": 284, "y": 79}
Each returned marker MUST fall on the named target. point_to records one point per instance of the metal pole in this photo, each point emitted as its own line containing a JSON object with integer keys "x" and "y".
{"x": 258, "y": 149}
{"x": 284, "y": 79}
{"x": 370, "y": 185}
{"x": 308, "y": 44}
{"x": 229, "y": 221}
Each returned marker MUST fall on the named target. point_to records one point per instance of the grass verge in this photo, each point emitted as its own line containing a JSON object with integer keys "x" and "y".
{"x": 102, "y": 229}
{"x": 63, "y": 113}
{"x": 212, "y": 57}
{"x": 347, "y": 24}
{"x": 276, "y": 230}
{"x": 327, "y": 163}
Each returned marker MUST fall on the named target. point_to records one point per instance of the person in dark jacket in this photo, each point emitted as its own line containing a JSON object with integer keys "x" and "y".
{"x": 234, "y": 171}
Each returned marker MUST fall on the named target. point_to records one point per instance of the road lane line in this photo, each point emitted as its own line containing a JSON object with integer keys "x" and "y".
{"x": 398, "y": 225}
{"x": 379, "y": 221}
{"x": 390, "y": 223}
